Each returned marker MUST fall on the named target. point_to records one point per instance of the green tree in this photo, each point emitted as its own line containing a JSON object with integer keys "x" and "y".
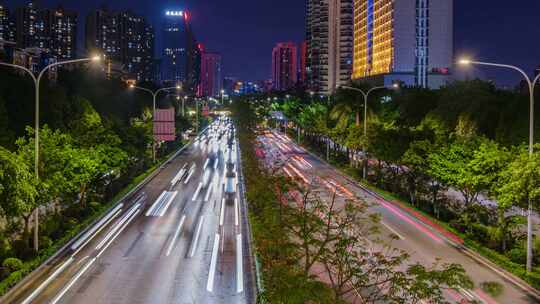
{"x": 17, "y": 188}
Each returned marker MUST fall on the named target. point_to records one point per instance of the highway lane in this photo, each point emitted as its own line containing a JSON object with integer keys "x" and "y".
{"x": 424, "y": 244}
{"x": 159, "y": 251}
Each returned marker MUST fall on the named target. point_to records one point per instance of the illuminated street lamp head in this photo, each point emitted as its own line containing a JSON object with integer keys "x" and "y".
{"x": 96, "y": 58}
{"x": 178, "y": 87}
{"x": 131, "y": 86}
{"x": 464, "y": 61}
{"x": 395, "y": 86}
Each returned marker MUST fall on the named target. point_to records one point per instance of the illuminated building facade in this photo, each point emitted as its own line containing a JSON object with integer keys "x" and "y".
{"x": 329, "y": 39}
{"x": 284, "y": 66}
{"x": 126, "y": 40}
{"x": 408, "y": 41}
{"x": 7, "y": 25}
{"x": 211, "y": 82}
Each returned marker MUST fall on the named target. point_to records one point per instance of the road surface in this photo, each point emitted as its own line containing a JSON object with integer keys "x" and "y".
{"x": 423, "y": 244}
{"x": 177, "y": 244}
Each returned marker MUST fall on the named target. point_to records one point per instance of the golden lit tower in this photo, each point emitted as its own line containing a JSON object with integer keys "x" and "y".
{"x": 409, "y": 41}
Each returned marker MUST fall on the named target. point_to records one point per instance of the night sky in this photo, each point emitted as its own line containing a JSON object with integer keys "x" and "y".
{"x": 245, "y": 31}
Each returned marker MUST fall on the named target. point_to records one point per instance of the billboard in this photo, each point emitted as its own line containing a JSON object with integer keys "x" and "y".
{"x": 164, "y": 129}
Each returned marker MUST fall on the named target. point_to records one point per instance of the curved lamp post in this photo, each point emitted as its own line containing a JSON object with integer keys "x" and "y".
{"x": 366, "y": 96}
{"x": 154, "y": 96}
{"x": 531, "y": 84}
{"x": 37, "y": 82}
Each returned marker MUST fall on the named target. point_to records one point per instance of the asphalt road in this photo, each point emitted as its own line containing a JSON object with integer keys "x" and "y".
{"x": 163, "y": 250}
{"x": 425, "y": 245}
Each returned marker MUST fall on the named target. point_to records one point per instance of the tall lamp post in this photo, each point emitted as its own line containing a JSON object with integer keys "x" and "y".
{"x": 37, "y": 82}
{"x": 222, "y": 94}
{"x": 154, "y": 96}
{"x": 366, "y": 96}
{"x": 531, "y": 84}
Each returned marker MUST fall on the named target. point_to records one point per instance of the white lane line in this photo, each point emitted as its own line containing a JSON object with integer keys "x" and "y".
{"x": 207, "y": 196}
{"x": 43, "y": 285}
{"x": 239, "y": 265}
{"x": 72, "y": 281}
{"x": 194, "y": 198}
{"x": 117, "y": 234}
{"x": 236, "y": 213}
{"x": 101, "y": 227}
{"x": 176, "y": 233}
{"x": 206, "y": 163}
{"x": 213, "y": 264}
{"x": 196, "y": 239}
{"x": 393, "y": 230}
{"x": 221, "y": 215}
{"x": 154, "y": 205}
{"x": 117, "y": 227}
{"x": 216, "y": 163}
{"x": 170, "y": 200}
{"x": 191, "y": 171}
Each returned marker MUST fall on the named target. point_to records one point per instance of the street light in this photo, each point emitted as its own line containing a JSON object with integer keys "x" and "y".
{"x": 531, "y": 84}
{"x": 37, "y": 82}
{"x": 366, "y": 96}
{"x": 154, "y": 95}
{"x": 222, "y": 94}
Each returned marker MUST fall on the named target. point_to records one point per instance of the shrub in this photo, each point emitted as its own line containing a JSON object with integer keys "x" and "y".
{"x": 492, "y": 288}
{"x": 12, "y": 264}
{"x": 517, "y": 255}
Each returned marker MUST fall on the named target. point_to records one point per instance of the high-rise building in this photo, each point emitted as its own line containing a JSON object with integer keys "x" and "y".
{"x": 136, "y": 46}
{"x": 175, "y": 40}
{"x": 103, "y": 34}
{"x": 126, "y": 40}
{"x": 7, "y": 25}
{"x": 302, "y": 73}
{"x": 537, "y": 71}
{"x": 329, "y": 36}
{"x": 284, "y": 65}
{"x": 62, "y": 31}
{"x": 54, "y": 30}
{"x": 409, "y": 41}
{"x": 32, "y": 29}
{"x": 211, "y": 82}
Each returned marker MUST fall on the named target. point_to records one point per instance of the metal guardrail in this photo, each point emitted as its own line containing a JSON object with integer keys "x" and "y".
{"x": 65, "y": 248}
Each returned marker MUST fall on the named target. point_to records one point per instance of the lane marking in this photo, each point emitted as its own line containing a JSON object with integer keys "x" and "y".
{"x": 206, "y": 163}
{"x": 43, "y": 285}
{"x": 120, "y": 231}
{"x": 72, "y": 281}
{"x": 239, "y": 265}
{"x": 236, "y": 213}
{"x": 207, "y": 194}
{"x": 213, "y": 264}
{"x": 189, "y": 176}
{"x": 154, "y": 205}
{"x": 216, "y": 163}
{"x": 393, "y": 230}
{"x": 117, "y": 227}
{"x": 196, "y": 239}
{"x": 221, "y": 215}
{"x": 169, "y": 201}
{"x": 176, "y": 233}
{"x": 196, "y": 192}
{"x": 101, "y": 227}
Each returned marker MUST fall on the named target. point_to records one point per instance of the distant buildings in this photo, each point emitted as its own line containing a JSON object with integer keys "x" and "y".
{"x": 211, "y": 81}
{"x": 302, "y": 72}
{"x": 125, "y": 39}
{"x": 537, "y": 71}
{"x": 284, "y": 66}
{"x": 54, "y": 30}
{"x": 409, "y": 41}
{"x": 7, "y": 25}
{"x": 329, "y": 38}
{"x": 180, "y": 53}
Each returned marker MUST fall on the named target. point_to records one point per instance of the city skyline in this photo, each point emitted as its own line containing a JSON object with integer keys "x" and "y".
{"x": 213, "y": 28}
